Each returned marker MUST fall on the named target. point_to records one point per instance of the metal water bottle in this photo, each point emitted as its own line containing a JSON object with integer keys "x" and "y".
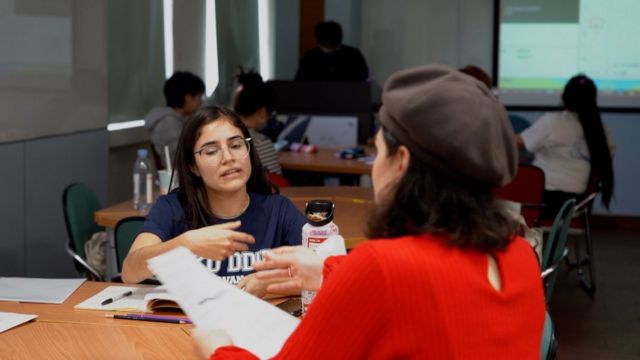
{"x": 319, "y": 227}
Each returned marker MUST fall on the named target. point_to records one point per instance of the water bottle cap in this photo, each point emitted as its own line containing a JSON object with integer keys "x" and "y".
{"x": 319, "y": 212}
{"x": 142, "y": 153}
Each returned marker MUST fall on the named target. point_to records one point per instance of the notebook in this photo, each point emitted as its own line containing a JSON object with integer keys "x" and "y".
{"x": 142, "y": 299}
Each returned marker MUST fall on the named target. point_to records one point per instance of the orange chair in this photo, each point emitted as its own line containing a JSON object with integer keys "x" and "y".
{"x": 526, "y": 188}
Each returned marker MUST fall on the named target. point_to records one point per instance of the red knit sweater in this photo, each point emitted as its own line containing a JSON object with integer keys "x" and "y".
{"x": 416, "y": 297}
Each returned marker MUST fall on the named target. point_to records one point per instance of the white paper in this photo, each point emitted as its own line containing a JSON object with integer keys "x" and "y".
{"x": 212, "y": 303}
{"x": 10, "y": 320}
{"x": 136, "y": 302}
{"x": 50, "y": 291}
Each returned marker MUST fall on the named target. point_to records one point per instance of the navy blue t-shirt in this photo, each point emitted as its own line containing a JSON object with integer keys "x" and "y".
{"x": 272, "y": 219}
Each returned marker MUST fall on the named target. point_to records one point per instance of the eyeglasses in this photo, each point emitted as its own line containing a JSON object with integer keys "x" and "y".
{"x": 238, "y": 149}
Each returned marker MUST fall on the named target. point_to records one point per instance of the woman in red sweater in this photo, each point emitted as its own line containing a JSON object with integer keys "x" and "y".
{"x": 445, "y": 277}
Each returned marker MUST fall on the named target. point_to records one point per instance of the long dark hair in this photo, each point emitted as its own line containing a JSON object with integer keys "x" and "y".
{"x": 580, "y": 95}
{"x": 427, "y": 200}
{"x": 194, "y": 195}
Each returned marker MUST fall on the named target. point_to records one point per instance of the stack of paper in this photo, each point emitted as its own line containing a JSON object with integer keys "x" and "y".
{"x": 50, "y": 291}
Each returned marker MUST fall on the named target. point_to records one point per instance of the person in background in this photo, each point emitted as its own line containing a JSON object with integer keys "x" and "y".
{"x": 445, "y": 278}
{"x": 572, "y": 147}
{"x": 183, "y": 93}
{"x": 331, "y": 60}
{"x": 254, "y": 101}
{"x": 225, "y": 210}
{"x": 478, "y": 74}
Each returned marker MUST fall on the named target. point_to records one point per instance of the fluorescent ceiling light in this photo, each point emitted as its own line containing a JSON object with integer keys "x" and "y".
{"x": 125, "y": 125}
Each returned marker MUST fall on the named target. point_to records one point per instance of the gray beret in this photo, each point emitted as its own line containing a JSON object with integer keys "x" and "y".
{"x": 451, "y": 121}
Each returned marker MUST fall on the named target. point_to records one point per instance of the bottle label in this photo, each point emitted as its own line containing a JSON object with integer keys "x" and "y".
{"x": 136, "y": 190}
{"x": 312, "y": 237}
{"x": 149, "y": 188}
{"x": 316, "y": 240}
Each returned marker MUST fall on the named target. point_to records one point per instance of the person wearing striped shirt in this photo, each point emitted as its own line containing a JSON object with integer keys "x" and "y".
{"x": 254, "y": 101}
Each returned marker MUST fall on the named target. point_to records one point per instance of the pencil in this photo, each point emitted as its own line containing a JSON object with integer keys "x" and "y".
{"x": 145, "y": 317}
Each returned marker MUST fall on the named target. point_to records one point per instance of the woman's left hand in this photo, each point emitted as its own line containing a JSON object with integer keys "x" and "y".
{"x": 207, "y": 342}
{"x": 253, "y": 285}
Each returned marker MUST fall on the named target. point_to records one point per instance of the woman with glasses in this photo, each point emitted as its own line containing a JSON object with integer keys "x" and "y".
{"x": 225, "y": 210}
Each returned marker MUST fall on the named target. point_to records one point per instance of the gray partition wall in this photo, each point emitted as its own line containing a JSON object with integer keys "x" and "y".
{"x": 53, "y": 96}
{"x": 31, "y": 217}
{"x": 12, "y": 210}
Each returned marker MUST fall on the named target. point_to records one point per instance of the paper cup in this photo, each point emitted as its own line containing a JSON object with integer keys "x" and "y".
{"x": 164, "y": 178}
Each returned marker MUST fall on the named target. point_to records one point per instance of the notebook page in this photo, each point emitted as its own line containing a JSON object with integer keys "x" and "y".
{"x": 135, "y": 302}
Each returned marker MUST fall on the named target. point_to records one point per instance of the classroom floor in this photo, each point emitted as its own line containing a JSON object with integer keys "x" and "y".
{"x": 607, "y": 327}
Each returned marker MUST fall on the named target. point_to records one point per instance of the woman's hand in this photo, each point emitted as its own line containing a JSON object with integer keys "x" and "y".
{"x": 253, "y": 285}
{"x": 207, "y": 342}
{"x": 217, "y": 242}
{"x": 295, "y": 268}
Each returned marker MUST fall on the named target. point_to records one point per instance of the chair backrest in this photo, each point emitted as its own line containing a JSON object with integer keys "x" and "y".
{"x": 549, "y": 344}
{"x": 278, "y": 180}
{"x": 125, "y": 233}
{"x": 518, "y": 123}
{"x": 555, "y": 246}
{"x": 526, "y": 188}
{"x": 79, "y": 205}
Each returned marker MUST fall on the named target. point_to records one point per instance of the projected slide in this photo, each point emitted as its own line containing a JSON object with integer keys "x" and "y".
{"x": 542, "y": 43}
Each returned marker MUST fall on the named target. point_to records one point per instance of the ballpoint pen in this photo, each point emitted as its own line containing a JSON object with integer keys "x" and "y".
{"x": 147, "y": 317}
{"x": 116, "y": 298}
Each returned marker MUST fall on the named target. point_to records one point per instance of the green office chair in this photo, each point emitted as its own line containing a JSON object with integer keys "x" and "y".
{"x": 549, "y": 344}
{"x": 555, "y": 249}
{"x": 125, "y": 233}
{"x": 79, "y": 203}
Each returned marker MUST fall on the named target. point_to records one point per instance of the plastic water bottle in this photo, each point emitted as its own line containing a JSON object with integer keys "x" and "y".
{"x": 142, "y": 182}
{"x": 319, "y": 228}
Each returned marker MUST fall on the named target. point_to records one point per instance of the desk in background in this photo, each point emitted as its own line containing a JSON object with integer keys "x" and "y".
{"x": 324, "y": 161}
{"x": 62, "y": 332}
{"x": 352, "y": 205}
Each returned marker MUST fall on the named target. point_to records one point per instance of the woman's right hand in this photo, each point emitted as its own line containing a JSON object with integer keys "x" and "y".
{"x": 295, "y": 267}
{"x": 217, "y": 242}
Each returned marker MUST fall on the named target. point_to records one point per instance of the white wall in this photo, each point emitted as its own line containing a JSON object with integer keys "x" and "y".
{"x": 417, "y": 32}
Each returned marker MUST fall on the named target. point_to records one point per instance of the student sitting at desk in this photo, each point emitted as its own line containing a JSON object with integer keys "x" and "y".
{"x": 254, "y": 101}
{"x": 572, "y": 147}
{"x": 446, "y": 278}
{"x": 224, "y": 210}
{"x": 183, "y": 93}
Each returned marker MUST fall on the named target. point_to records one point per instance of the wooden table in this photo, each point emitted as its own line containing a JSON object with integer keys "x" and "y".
{"x": 352, "y": 205}
{"x": 324, "y": 161}
{"x": 62, "y": 332}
